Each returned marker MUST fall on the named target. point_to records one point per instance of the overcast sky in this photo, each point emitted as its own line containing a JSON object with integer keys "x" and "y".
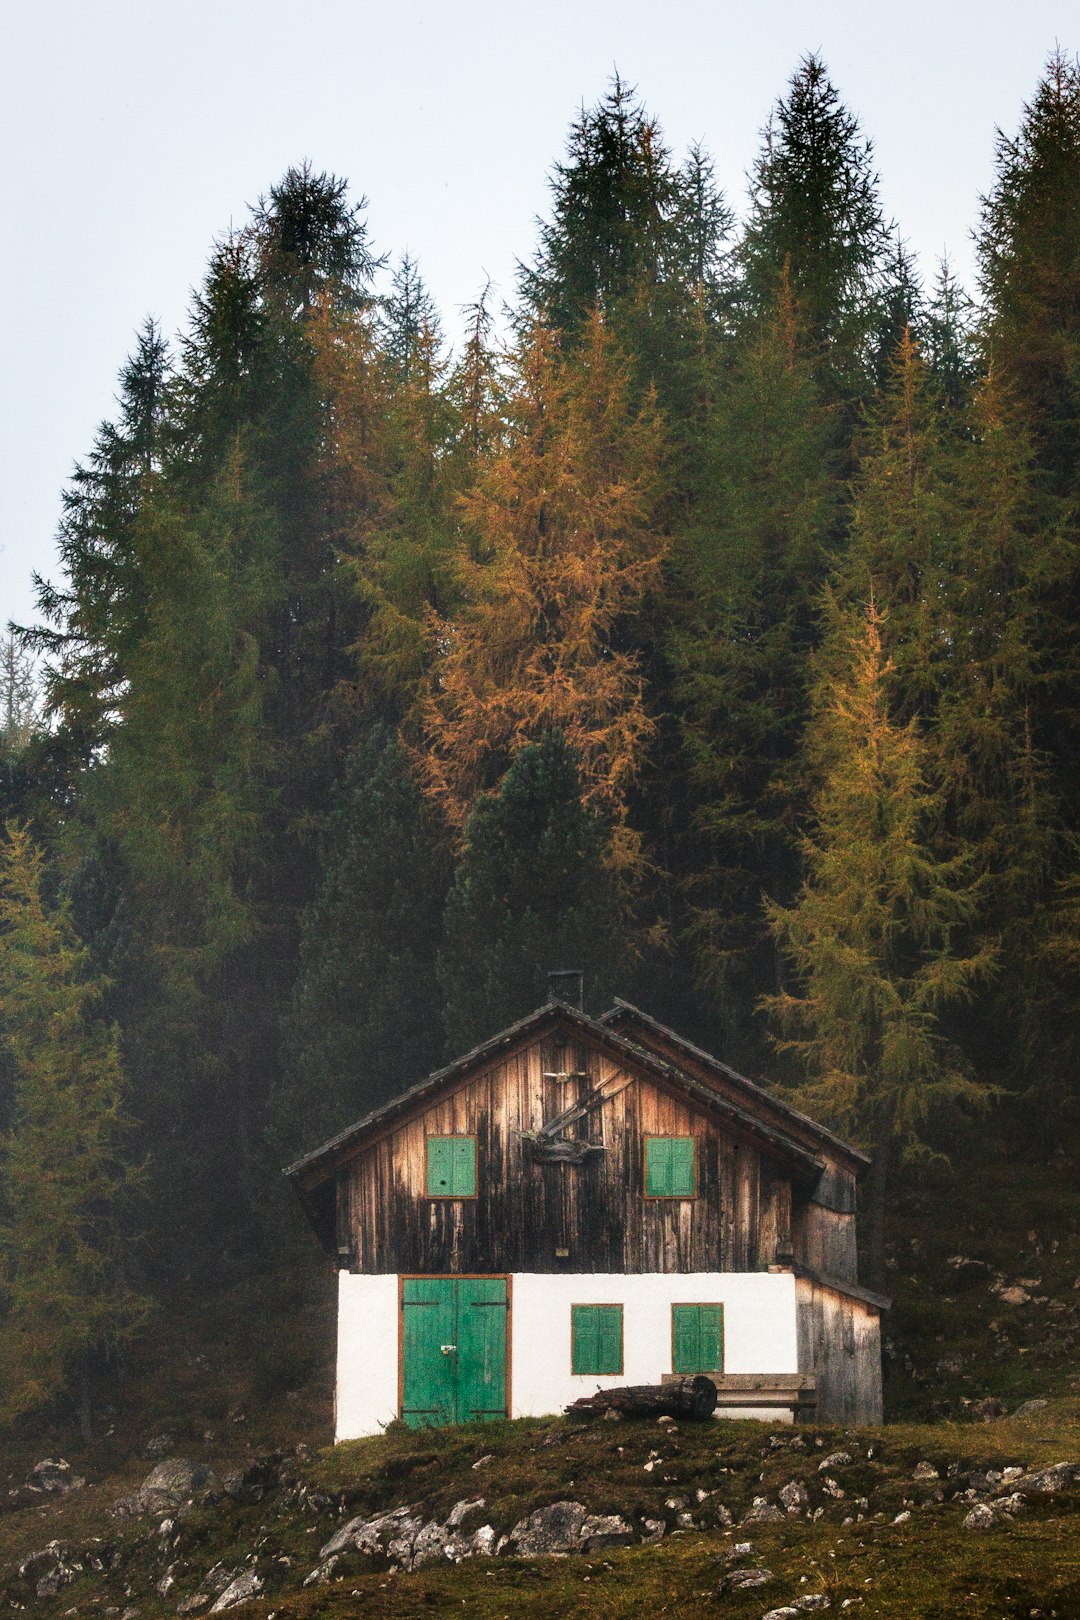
{"x": 137, "y": 130}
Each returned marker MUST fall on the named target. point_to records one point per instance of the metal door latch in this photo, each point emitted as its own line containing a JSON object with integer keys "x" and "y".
{"x": 448, "y": 1349}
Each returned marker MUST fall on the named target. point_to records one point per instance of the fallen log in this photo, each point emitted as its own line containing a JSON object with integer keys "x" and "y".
{"x": 679, "y": 1397}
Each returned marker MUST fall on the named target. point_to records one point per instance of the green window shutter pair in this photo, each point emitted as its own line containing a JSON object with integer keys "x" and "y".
{"x": 451, "y": 1166}
{"x": 597, "y": 1338}
{"x": 670, "y": 1167}
{"x": 697, "y": 1333}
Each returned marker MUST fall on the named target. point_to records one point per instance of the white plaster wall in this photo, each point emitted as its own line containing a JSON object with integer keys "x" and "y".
{"x": 759, "y": 1328}
{"x": 759, "y": 1336}
{"x": 367, "y": 1355}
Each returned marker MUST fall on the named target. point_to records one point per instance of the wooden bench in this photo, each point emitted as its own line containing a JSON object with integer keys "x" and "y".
{"x": 787, "y": 1397}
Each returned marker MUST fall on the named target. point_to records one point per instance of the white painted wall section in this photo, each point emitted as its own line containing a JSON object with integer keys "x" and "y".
{"x": 759, "y": 1336}
{"x": 367, "y": 1355}
{"x": 759, "y": 1328}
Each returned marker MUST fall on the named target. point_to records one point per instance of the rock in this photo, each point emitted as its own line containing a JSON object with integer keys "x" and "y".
{"x": 1044, "y": 1481}
{"x": 781, "y": 1614}
{"x": 812, "y": 1602}
{"x": 722, "y": 1514}
{"x": 1029, "y": 1408}
{"x": 463, "y": 1510}
{"x": 1014, "y": 1296}
{"x": 835, "y": 1459}
{"x": 159, "y": 1446}
{"x": 482, "y": 1462}
{"x": 392, "y": 1534}
{"x": 50, "y": 1569}
{"x": 54, "y": 1476}
{"x": 605, "y": 1530}
{"x": 925, "y": 1471}
{"x": 251, "y": 1483}
{"x": 763, "y": 1512}
{"x": 552, "y": 1529}
{"x": 902, "y": 1518}
{"x": 741, "y": 1549}
{"x": 988, "y": 1408}
{"x": 831, "y": 1488}
{"x": 988, "y": 1515}
{"x": 430, "y": 1545}
{"x": 483, "y": 1542}
{"x": 739, "y": 1580}
{"x": 794, "y": 1496}
{"x": 166, "y": 1488}
{"x": 245, "y": 1586}
{"x": 655, "y": 1530}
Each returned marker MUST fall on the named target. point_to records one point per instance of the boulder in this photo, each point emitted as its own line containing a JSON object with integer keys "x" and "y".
{"x": 159, "y": 1446}
{"x": 794, "y": 1496}
{"x": 247, "y": 1585}
{"x": 811, "y": 1602}
{"x": 391, "y": 1534}
{"x": 552, "y": 1529}
{"x": 54, "y": 1476}
{"x": 166, "y": 1488}
{"x": 251, "y": 1483}
{"x": 835, "y": 1459}
{"x": 738, "y": 1580}
{"x": 763, "y": 1512}
{"x": 605, "y": 1530}
{"x": 50, "y": 1569}
{"x": 925, "y": 1472}
{"x": 1044, "y": 1481}
{"x": 1029, "y": 1408}
{"x": 786, "y": 1613}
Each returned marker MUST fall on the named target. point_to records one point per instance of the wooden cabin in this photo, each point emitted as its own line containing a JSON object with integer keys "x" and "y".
{"x": 585, "y": 1202}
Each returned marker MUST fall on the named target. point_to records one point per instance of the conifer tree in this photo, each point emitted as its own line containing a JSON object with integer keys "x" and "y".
{"x": 564, "y": 547}
{"x": 534, "y": 890}
{"x": 870, "y": 935}
{"x": 364, "y": 1017}
{"x": 64, "y": 1175}
{"x": 409, "y": 319}
{"x": 815, "y": 222}
{"x": 740, "y": 626}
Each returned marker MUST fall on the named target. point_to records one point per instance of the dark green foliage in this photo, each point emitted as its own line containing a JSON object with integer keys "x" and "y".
{"x": 364, "y": 1018}
{"x": 532, "y": 893}
{"x": 816, "y": 224}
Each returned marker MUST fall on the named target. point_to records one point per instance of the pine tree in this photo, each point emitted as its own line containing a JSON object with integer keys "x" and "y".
{"x": 870, "y": 935}
{"x": 740, "y": 625}
{"x": 64, "y": 1178}
{"x": 534, "y": 890}
{"x": 1029, "y": 262}
{"x": 364, "y": 1020}
{"x": 816, "y": 224}
{"x": 409, "y": 318}
{"x": 564, "y": 547}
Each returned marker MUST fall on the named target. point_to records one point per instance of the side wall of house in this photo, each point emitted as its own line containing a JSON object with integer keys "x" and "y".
{"x": 525, "y": 1212}
{"x": 840, "y": 1342}
{"x": 760, "y": 1335}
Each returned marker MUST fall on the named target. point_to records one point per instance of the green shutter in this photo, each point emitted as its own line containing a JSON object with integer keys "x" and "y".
{"x": 657, "y": 1166}
{"x": 697, "y": 1338}
{"x": 464, "y": 1166}
{"x": 669, "y": 1167}
{"x": 682, "y": 1167}
{"x": 451, "y": 1166}
{"x": 597, "y": 1339}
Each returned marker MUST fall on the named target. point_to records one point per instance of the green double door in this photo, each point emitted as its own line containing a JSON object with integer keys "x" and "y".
{"x": 453, "y": 1349}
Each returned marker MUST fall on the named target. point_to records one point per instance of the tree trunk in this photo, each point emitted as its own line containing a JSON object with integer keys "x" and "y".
{"x": 688, "y": 1397}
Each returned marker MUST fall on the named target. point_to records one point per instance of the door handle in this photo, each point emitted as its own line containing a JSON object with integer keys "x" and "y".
{"x": 448, "y": 1349}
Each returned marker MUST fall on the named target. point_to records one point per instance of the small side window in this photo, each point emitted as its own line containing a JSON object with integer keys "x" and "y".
{"x": 597, "y": 1339}
{"x": 451, "y": 1166}
{"x": 697, "y": 1338}
{"x": 670, "y": 1167}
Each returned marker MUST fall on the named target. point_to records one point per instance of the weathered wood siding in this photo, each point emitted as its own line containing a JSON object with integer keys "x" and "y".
{"x": 824, "y": 1226}
{"x": 840, "y": 1342}
{"x": 524, "y": 1212}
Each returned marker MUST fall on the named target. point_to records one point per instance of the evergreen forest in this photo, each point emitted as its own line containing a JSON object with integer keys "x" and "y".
{"x": 701, "y": 612}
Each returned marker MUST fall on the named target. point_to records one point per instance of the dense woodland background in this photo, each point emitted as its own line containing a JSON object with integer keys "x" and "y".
{"x": 707, "y": 619}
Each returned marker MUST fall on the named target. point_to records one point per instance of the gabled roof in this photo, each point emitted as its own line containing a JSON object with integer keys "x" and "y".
{"x": 624, "y": 1012}
{"x": 753, "y": 1121}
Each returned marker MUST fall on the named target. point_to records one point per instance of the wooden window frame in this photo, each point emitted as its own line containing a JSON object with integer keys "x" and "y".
{"x": 451, "y": 1197}
{"x": 660, "y": 1198}
{"x": 592, "y": 1305}
{"x": 718, "y": 1304}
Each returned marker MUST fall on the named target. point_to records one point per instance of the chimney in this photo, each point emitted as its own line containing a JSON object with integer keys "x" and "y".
{"x": 568, "y": 985}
